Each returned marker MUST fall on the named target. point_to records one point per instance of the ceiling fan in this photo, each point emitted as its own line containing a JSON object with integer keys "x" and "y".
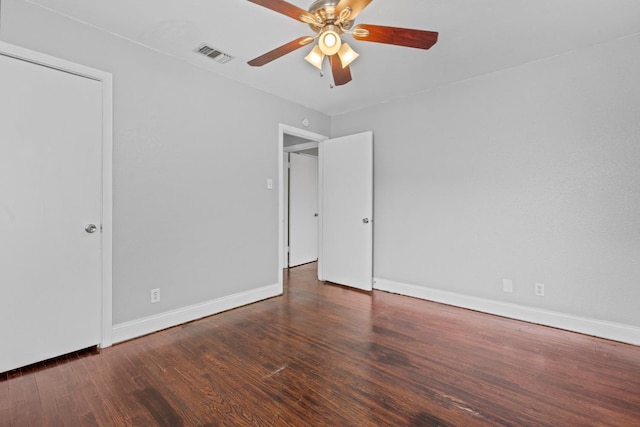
{"x": 331, "y": 18}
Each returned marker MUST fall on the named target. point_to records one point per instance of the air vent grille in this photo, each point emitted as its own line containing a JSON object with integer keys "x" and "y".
{"x": 213, "y": 53}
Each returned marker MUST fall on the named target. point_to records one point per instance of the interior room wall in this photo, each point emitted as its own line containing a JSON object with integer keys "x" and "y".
{"x": 530, "y": 174}
{"x": 192, "y": 155}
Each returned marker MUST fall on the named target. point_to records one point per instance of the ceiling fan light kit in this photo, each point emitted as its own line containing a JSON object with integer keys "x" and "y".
{"x": 315, "y": 57}
{"x": 329, "y": 41}
{"x": 347, "y": 55}
{"x": 331, "y": 18}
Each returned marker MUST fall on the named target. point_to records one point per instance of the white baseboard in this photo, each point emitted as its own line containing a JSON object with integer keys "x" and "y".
{"x": 136, "y": 328}
{"x": 598, "y": 328}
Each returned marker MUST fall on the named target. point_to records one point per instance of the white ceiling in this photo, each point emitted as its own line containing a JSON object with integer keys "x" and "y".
{"x": 476, "y": 37}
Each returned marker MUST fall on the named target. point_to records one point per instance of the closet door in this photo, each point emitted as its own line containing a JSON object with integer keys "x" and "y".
{"x": 50, "y": 212}
{"x": 303, "y": 209}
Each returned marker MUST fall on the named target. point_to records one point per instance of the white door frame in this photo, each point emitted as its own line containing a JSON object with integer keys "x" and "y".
{"x": 293, "y": 131}
{"x": 286, "y": 182}
{"x": 107, "y": 165}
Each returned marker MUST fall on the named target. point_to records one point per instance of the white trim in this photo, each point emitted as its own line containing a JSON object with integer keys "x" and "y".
{"x": 107, "y": 210}
{"x": 51, "y": 62}
{"x": 286, "y": 169}
{"x": 139, "y": 327}
{"x": 320, "y": 266}
{"x": 107, "y": 164}
{"x": 289, "y": 130}
{"x": 584, "y": 325}
{"x": 300, "y": 147}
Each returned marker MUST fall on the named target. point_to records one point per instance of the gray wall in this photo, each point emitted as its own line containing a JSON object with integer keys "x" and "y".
{"x": 192, "y": 153}
{"x": 532, "y": 174}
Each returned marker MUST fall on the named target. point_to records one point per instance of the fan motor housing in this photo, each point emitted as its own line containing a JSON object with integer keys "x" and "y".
{"x": 325, "y": 11}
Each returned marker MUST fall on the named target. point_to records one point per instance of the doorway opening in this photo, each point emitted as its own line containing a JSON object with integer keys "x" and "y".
{"x": 301, "y": 201}
{"x": 301, "y": 146}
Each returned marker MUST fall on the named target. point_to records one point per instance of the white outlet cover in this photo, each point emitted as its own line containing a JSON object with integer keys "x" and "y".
{"x": 507, "y": 285}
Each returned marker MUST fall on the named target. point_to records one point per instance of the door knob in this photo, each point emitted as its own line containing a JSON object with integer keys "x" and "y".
{"x": 91, "y": 228}
{"x": 365, "y": 220}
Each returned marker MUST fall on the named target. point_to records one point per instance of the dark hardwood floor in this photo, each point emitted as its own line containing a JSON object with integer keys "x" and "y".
{"x": 323, "y": 355}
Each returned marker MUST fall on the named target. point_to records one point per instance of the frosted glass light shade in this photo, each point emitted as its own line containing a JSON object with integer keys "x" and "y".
{"x": 347, "y": 55}
{"x": 315, "y": 57}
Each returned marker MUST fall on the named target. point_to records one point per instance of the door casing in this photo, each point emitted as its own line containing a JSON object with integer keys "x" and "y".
{"x": 106, "y": 81}
{"x": 310, "y": 136}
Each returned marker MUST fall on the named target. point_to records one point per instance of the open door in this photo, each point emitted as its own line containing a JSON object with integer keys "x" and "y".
{"x": 346, "y": 211}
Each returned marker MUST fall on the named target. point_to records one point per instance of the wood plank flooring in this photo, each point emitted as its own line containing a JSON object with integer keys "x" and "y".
{"x": 323, "y": 355}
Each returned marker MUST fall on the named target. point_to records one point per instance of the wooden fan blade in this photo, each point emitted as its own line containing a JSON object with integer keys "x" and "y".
{"x": 341, "y": 75}
{"x": 280, "y": 51}
{"x": 285, "y": 8}
{"x": 356, "y": 7}
{"x": 398, "y": 36}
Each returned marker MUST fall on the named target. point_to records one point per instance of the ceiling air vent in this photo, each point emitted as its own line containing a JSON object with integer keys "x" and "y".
{"x": 213, "y": 53}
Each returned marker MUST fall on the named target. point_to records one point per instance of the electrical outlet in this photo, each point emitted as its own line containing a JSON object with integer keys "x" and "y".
{"x": 507, "y": 285}
{"x": 539, "y": 289}
{"x": 155, "y": 295}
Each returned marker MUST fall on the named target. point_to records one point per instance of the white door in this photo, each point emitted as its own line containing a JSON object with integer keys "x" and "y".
{"x": 303, "y": 209}
{"x": 346, "y": 176}
{"x": 50, "y": 191}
